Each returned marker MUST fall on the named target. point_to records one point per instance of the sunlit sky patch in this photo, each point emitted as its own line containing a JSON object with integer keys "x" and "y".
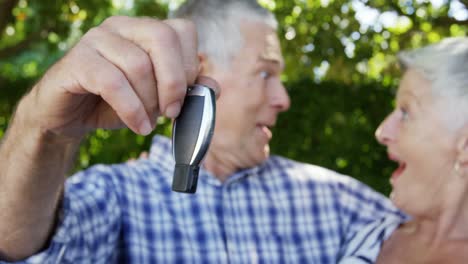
{"x": 369, "y": 16}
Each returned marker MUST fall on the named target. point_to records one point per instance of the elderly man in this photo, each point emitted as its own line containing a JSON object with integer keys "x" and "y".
{"x": 249, "y": 206}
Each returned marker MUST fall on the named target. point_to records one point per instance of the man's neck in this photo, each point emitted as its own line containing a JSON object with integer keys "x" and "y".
{"x": 220, "y": 168}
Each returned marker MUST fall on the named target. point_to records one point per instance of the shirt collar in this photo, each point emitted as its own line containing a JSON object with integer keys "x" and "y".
{"x": 161, "y": 153}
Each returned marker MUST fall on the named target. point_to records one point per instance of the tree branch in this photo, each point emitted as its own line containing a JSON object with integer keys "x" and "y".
{"x": 447, "y": 21}
{"x": 6, "y": 7}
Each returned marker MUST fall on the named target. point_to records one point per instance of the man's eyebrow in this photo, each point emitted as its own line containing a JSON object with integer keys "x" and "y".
{"x": 273, "y": 61}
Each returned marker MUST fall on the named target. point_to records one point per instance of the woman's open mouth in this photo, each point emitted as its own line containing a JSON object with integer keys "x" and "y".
{"x": 399, "y": 170}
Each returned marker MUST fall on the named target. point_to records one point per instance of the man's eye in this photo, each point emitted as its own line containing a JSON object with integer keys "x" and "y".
{"x": 265, "y": 74}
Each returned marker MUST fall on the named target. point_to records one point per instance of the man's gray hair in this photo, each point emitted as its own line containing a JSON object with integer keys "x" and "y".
{"x": 218, "y": 24}
{"x": 445, "y": 65}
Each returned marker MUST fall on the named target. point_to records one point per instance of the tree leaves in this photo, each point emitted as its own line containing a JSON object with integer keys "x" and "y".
{"x": 340, "y": 70}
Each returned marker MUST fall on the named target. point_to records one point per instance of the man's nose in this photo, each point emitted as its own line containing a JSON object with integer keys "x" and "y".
{"x": 280, "y": 98}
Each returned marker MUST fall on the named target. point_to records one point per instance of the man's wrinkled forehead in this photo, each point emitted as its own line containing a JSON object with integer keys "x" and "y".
{"x": 272, "y": 51}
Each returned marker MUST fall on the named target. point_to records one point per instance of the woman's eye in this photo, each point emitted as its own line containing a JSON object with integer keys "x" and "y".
{"x": 404, "y": 114}
{"x": 265, "y": 74}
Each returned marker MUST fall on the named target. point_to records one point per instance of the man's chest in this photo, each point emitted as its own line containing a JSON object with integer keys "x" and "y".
{"x": 231, "y": 229}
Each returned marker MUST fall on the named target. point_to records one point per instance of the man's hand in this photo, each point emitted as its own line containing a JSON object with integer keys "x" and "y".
{"x": 125, "y": 72}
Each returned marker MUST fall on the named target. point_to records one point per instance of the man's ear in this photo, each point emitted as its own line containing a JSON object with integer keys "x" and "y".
{"x": 462, "y": 149}
{"x": 206, "y": 65}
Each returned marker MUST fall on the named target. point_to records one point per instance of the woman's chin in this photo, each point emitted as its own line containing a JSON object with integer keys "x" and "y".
{"x": 396, "y": 200}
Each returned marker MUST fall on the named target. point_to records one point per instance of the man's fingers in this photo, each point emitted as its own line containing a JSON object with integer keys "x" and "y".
{"x": 164, "y": 47}
{"x": 133, "y": 62}
{"x": 100, "y": 77}
{"x": 188, "y": 37}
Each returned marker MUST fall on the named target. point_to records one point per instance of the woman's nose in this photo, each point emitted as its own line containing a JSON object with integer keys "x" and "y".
{"x": 385, "y": 133}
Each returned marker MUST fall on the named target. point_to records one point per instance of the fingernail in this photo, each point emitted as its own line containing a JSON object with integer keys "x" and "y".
{"x": 173, "y": 110}
{"x": 145, "y": 128}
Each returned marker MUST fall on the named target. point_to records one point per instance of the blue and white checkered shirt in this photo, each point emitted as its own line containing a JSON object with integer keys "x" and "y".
{"x": 279, "y": 212}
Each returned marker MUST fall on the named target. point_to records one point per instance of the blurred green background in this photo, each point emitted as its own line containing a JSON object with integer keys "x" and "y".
{"x": 340, "y": 70}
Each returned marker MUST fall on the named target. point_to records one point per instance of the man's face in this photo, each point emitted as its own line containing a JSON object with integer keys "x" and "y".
{"x": 252, "y": 95}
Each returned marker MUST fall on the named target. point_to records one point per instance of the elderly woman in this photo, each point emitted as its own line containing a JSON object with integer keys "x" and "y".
{"x": 427, "y": 134}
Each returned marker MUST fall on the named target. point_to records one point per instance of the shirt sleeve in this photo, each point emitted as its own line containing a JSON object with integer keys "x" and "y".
{"x": 368, "y": 219}
{"x": 88, "y": 224}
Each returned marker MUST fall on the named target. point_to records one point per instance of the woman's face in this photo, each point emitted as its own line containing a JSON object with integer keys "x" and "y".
{"x": 418, "y": 139}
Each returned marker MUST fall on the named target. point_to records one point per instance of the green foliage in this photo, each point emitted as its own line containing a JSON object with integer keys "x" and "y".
{"x": 340, "y": 58}
{"x": 332, "y": 124}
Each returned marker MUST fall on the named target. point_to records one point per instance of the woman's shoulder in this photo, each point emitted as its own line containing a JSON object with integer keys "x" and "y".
{"x": 410, "y": 244}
